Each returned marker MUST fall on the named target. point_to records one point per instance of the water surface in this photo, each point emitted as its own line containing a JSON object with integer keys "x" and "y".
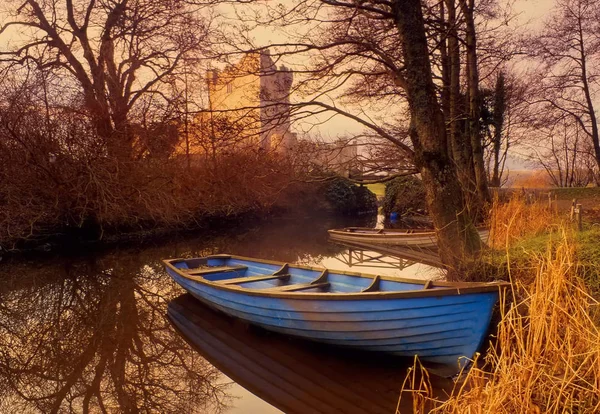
{"x": 91, "y": 333}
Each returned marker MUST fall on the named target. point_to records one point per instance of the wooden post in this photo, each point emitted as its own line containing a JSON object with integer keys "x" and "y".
{"x": 556, "y": 203}
{"x": 573, "y": 203}
{"x": 579, "y": 216}
{"x": 550, "y": 200}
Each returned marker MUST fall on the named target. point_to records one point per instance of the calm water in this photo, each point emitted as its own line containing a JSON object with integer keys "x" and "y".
{"x": 110, "y": 332}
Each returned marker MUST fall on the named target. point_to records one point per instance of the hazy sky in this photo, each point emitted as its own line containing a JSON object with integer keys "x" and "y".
{"x": 533, "y": 10}
{"x": 531, "y": 13}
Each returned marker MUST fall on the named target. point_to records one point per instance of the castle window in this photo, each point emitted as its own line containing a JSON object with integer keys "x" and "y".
{"x": 229, "y": 87}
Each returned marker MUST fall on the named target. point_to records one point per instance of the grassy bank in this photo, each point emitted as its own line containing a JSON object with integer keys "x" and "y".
{"x": 562, "y": 193}
{"x": 378, "y": 189}
{"x": 545, "y": 356}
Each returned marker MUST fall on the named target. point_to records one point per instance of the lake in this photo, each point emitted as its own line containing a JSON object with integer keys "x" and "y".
{"x": 94, "y": 333}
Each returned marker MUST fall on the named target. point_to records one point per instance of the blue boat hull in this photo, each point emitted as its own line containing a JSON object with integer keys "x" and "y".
{"x": 440, "y": 328}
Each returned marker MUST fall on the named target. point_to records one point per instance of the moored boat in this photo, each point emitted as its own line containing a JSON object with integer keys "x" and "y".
{"x": 439, "y": 321}
{"x": 421, "y": 238}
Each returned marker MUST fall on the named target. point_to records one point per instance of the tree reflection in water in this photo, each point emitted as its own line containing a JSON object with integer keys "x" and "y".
{"x": 93, "y": 337}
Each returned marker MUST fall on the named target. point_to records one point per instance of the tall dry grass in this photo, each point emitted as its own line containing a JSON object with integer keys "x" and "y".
{"x": 546, "y": 358}
{"x": 518, "y": 218}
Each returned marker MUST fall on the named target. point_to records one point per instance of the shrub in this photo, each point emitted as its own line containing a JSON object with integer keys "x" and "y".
{"x": 404, "y": 195}
{"x": 346, "y": 198}
{"x": 340, "y": 196}
{"x": 366, "y": 200}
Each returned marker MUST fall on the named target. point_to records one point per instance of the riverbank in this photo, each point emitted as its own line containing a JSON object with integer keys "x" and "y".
{"x": 225, "y": 227}
{"x": 82, "y": 241}
{"x": 142, "y": 209}
{"x": 544, "y": 356}
{"x": 95, "y": 200}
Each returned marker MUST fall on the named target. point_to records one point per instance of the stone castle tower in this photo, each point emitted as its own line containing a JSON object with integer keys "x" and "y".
{"x": 257, "y": 90}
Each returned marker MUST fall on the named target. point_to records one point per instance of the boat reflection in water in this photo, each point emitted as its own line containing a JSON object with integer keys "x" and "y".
{"x": 375, "y": 257}
{"x": 294, "y": 375}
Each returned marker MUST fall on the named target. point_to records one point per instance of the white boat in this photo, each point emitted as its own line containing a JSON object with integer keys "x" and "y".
{"x": 422, "y": 238}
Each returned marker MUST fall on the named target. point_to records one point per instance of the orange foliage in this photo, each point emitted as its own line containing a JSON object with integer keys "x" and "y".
{"x": 107, "y": 196}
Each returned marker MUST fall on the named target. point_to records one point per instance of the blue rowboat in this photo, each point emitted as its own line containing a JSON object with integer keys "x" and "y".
{"x": 439, "y": 321}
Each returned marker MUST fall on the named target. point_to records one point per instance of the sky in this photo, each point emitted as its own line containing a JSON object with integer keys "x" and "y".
{"x": 531, "y": 14}
{"x": 533, "y": 10}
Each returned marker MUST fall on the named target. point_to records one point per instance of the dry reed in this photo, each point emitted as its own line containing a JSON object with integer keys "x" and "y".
{"x": 418, "y": 386}
{"x": 511, "y": 221}
{"x": 547, "y": 354}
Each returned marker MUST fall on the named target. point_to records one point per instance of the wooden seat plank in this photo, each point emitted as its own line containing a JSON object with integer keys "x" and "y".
{"x": 322, "y": 278}
{"x": 260, "y": 278}
{"x": 297, "y": 287}
{"x": 374, "y": 286}
{"x": 283, "y": 270}
{"x": 216, "y": 269}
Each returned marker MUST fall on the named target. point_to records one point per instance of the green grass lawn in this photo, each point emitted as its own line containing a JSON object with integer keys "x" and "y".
{"x": 562, "y": 193}
{"x": 378, "y": 189}
{"x": 577, "y": 192}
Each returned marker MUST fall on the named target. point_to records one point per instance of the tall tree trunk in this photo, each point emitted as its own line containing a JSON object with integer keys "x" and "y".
{"x": 483, "y": 195}
{"x": 459, "y": 141}
{"x": 498, "y": 122}
{"x": 445, "y": 63}
{"x": 458, "y": 241}
{"x": 120, "y": 144}
{"x": 460, "y": 148}
{"x": 114, "y": 130}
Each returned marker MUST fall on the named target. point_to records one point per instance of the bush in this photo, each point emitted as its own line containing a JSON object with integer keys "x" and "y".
{"x": 366, "y": 200}
{"x": 79, "y": 197}
{"x": 340, "y": 196}
{"x": 404, "y": 195}
{"x": 346, "y": 198}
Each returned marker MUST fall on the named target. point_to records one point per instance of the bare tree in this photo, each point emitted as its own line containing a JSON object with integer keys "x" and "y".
{"x": 472, "y": 72}
{"x": 357, "y": 70}
{"x": 569, "y": 49}
{"x": 508, "y": 119}
{"x": 57, "y": 180}
{"x": 362, "y": 51}
{"x": 564, "y": 154}
{"x": 113, "y": 53}
{"x": 498, "y": 122}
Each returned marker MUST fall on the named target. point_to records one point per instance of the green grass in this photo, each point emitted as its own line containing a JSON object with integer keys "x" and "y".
{"x": 562, "y": 193}
{"x": 525, "y": 254}
{"x": 588, "y": 253}
{"x": 576, "y": 192}
{"x": 378, "y": 189}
